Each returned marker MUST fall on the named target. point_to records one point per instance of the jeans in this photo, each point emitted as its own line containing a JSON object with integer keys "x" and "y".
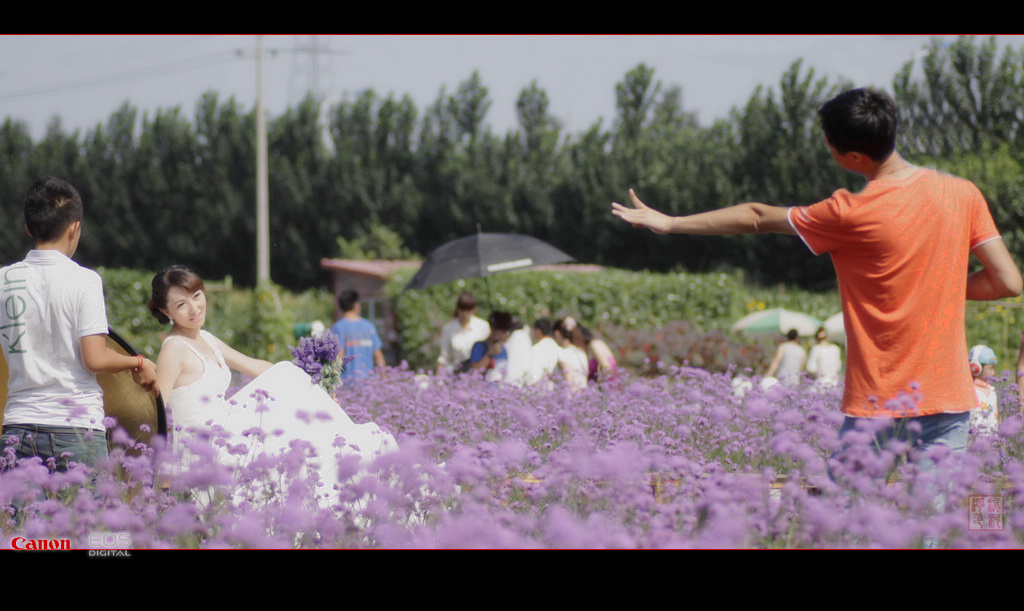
{"x": 948, "y": 430}
{"x": 65, "y": 444}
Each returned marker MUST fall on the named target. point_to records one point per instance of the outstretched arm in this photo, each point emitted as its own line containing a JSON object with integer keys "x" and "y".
{"x": 1000, "y": 277}
{"x": 743, "y": 218}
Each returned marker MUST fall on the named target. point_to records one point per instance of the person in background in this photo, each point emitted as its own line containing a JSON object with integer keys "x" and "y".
{"x": 489, "y": 356}
{"x": 460, "y": 334}
{"x": 789, "y": 360}
{"x": 518, "y": 347}
{"x": 543, "y": 354}
{"x": 825, "y": 361}
{"x": 573, "y": 358}
{"x": 358, "y": 338}
{"x": 601, "y": 364}
{"x": 985, "y": 417}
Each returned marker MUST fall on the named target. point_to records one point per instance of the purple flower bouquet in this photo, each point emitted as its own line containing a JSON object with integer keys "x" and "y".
{"x": 318, "y": 356}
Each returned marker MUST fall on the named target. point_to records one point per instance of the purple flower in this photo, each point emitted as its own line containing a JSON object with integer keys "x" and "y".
{"x": 318, "y": 357}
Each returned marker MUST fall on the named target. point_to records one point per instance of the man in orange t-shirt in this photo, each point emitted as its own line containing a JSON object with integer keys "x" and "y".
{"x": 900, "y": 248}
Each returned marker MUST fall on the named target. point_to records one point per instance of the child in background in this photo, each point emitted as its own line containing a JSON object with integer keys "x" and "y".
{"x": 985, "y": 418}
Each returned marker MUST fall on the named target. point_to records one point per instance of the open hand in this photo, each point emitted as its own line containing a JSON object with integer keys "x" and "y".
{"x": 641, "y": 216}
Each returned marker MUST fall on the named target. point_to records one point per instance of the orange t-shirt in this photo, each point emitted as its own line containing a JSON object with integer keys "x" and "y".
{"x": 900, "y": 249}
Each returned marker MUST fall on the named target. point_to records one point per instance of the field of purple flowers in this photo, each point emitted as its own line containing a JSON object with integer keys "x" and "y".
{"x": 679, "y": 460}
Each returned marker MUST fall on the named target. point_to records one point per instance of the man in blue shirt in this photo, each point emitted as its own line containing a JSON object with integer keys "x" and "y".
{"x": 358, "y": 338}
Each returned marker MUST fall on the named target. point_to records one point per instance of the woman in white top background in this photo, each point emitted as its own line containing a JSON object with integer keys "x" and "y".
{"x": 573, "y": 359}
{"x": 824, "y": 362}
{"x": 789, "y": 360}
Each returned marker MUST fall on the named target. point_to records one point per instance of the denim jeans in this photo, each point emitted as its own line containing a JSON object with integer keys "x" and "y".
{"x": 949, "y": 430}
{"x": 65, "y": 444}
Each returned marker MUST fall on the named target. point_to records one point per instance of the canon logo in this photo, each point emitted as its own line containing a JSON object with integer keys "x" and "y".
{"x": 38, "y": 544}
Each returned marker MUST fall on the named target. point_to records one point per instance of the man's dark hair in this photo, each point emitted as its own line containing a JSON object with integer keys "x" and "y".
{"x": 862, "y": 121}
{"x": 544, "y": 325}
{"x": 500, "y": 321}
{"x": 793, "y": 334}
{"x": 347, "y": 300}
{"x": 51, "y": 206}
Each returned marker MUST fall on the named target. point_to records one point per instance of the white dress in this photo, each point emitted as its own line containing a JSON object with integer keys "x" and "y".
{"x": 285, "y": 404}
{"x": 576, "y": 366}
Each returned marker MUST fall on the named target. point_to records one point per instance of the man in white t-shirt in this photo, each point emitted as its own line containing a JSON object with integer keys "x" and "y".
{"x": 53, "y": 332}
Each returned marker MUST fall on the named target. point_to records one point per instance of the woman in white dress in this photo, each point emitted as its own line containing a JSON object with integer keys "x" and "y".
{"x": 824, "y": 362}
{"x": 194, "y": 371}
{"x": 789, "y": 360}
{"x": 573, "y": 359}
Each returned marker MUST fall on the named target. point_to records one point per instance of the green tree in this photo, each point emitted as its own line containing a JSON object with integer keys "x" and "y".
{"x": 374, "y": 168}
{"x": 226, "y": 192}
{"x": 114, "y": 234}
{"x": 534, "y": 164}
{"x": 781, "y": 159}
{"x": 460, "y": 160}
{"x": 57, "y": 154}
{"x": 302, "y": 231}
{"x": 167, "y": 183}
{"x": 379, "y": 242}
{"x": 15, "y": 159}
{"x": 967, "y": 98}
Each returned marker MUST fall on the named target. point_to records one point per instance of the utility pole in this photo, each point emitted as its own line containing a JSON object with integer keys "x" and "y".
{"x": 262, "y": 185}
{"x": 262, "y": 179}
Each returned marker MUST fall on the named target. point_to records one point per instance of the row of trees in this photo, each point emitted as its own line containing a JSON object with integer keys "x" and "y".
{"x": 165, "y": 188}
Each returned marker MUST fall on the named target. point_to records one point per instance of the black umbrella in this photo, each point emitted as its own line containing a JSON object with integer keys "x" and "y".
{"x": 482, "y": 255}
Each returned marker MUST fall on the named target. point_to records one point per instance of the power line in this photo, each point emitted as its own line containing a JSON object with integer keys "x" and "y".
{"x": 138, "y": 74}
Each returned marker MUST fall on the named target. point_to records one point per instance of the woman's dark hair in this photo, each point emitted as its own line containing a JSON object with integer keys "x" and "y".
{"x": 465, "y": 303}
{"x": 568, "y": 328}
{"x": 586, "y": 334}
{"x": 793, "y": 334}
{"x": 175, "y": 275}
{"x": 545, "y": 326}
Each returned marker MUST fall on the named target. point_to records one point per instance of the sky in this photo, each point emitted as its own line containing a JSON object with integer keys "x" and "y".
{"x": 83, "y": 79}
